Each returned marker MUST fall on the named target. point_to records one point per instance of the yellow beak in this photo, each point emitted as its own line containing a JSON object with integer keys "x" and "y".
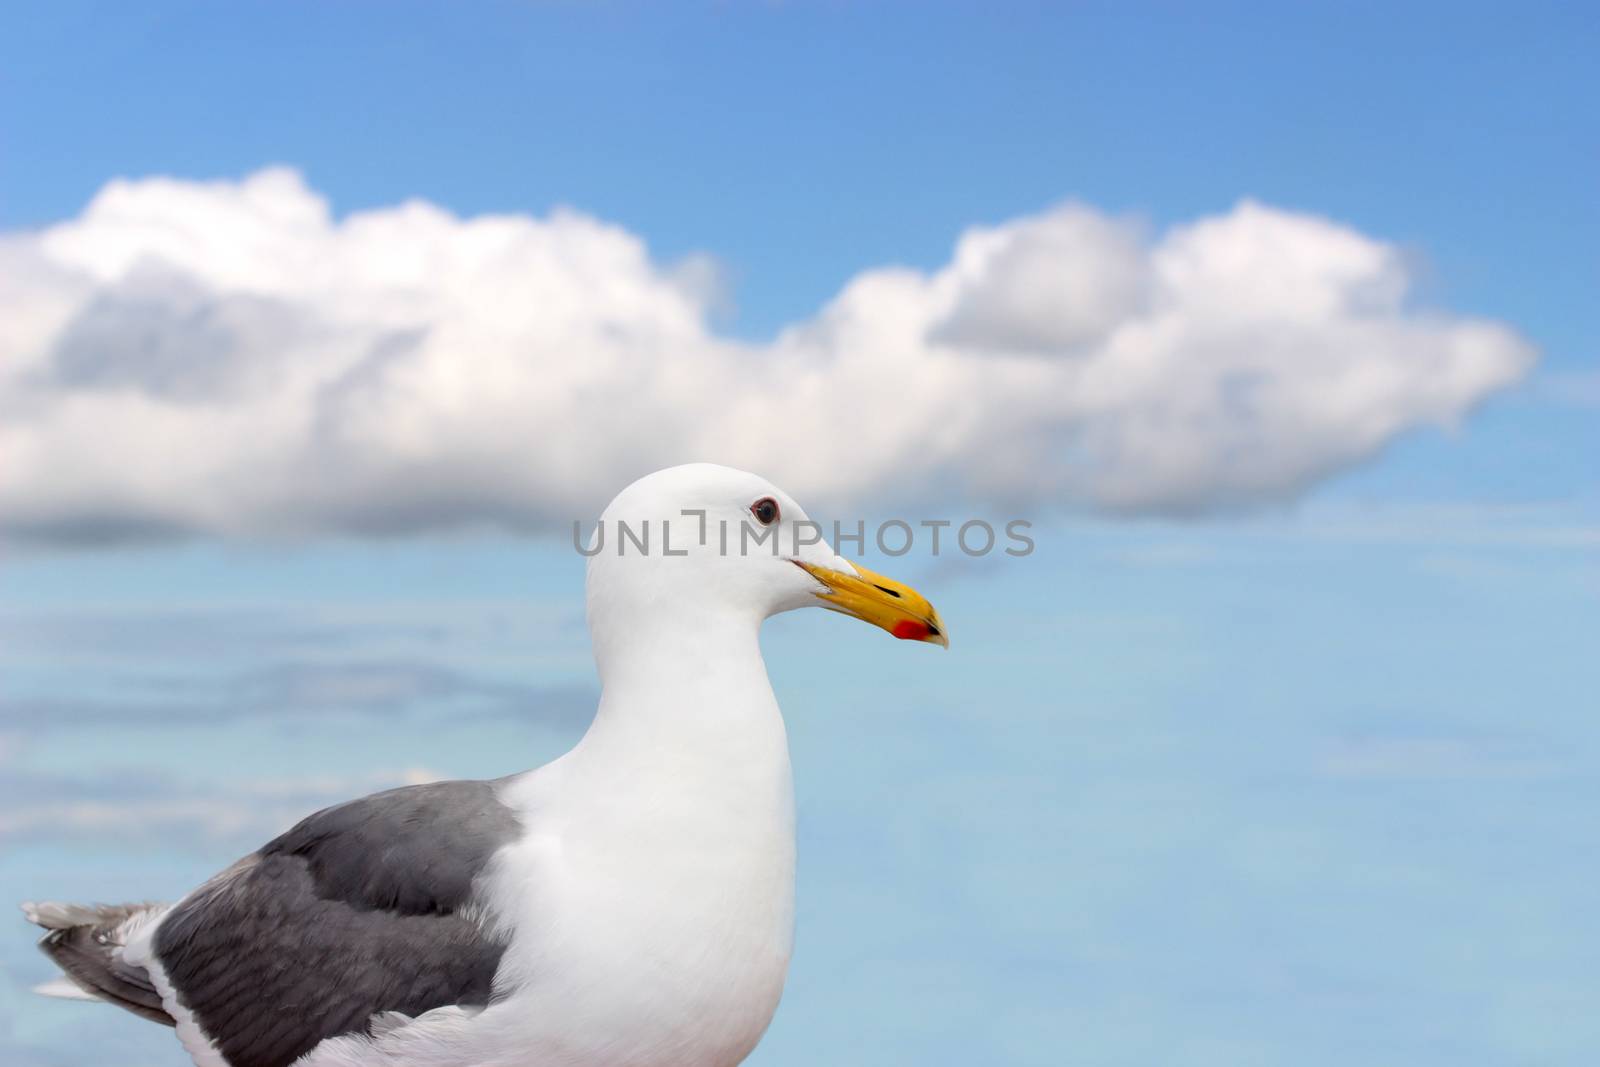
{"x": 883, "y": 602}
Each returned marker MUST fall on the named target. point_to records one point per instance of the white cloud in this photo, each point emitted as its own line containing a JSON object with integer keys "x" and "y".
{"x": 165, "y": 809}
{"x": 1426, "y": 758}
{"x": 228, "y": 358}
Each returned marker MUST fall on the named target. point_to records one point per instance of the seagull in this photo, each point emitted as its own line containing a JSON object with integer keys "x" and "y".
{"x": 630, "y": 904}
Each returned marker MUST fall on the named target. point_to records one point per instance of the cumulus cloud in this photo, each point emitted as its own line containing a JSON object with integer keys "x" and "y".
{"x": 229, "y": 358}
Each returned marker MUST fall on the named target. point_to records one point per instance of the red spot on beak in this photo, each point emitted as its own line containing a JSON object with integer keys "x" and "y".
{"x": 909, "y": 630}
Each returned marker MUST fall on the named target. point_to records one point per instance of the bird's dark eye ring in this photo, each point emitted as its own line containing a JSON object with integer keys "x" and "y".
{"x": 765, "y": 510}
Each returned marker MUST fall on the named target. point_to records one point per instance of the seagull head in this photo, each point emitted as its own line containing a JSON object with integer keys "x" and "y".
{"x": 701, "y": 542}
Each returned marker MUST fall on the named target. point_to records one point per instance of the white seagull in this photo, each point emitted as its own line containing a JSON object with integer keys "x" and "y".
{"x": 629, "y": 905}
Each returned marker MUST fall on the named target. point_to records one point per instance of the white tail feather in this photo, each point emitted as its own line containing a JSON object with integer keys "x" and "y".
{"x": 63, "y": 989}
{"x": 53, "y": 915}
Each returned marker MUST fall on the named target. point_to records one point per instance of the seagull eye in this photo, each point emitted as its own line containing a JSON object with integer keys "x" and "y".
{"x": 765, "y": 510}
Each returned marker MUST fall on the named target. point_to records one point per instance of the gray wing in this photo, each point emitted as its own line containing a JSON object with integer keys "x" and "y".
{"x": 355, "y": 911}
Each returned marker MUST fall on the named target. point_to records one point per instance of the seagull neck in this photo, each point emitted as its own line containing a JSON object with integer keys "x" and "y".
{"x": 682, "y": 681}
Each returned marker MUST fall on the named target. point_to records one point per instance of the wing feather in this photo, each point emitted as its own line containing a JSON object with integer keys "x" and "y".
{"x": 359, "y": 910}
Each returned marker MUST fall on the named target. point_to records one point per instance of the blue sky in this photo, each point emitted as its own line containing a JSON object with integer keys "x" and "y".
{"x": 1299, "y": 779}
